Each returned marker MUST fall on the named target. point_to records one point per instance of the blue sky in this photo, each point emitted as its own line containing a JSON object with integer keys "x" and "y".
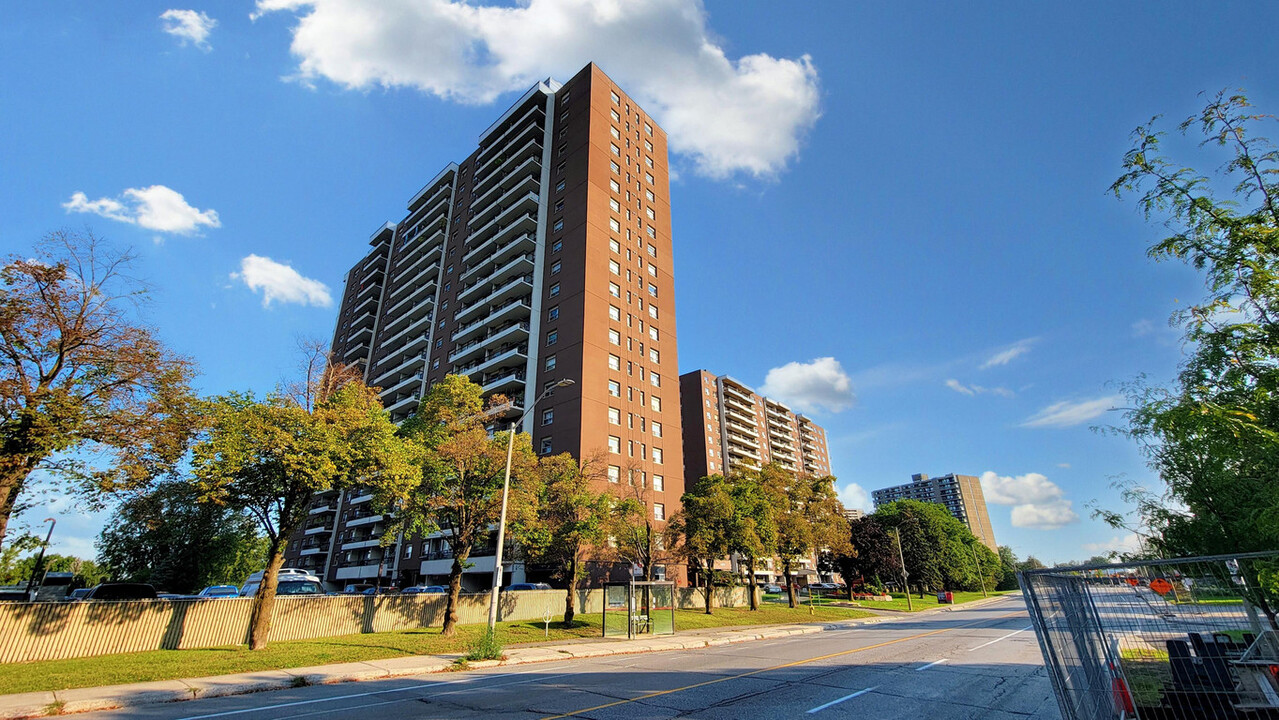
{"x": 916, "y": 191}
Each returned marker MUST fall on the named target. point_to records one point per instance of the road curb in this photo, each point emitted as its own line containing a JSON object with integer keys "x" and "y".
{"x": 112, "y": 697}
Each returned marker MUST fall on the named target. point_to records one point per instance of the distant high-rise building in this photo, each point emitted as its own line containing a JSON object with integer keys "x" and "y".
{"x": 961, "y": 494}
{"x": 854, "y": 513}
{"x": 728, "y": 425}
{"x": 545, "y": 255}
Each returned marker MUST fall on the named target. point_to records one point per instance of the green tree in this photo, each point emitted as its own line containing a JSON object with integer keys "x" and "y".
{"x": 1213, "y": 436}
{"x": 268, "y": 457}
{"x": 638, "y": 539}
{"x": 808, "y": 515}
{"x": 460, "y": 472}
{"x": 703, "y": 527}
{"x": 169, "y": 538}
{"x": 87, "y": 391}
{"x": 15, "y": 571}
{"x": 568, "y": 520}
{"x": 753, "y": 534}
{"x": 871, "y": 556}
{"x": 1008, "y": 564}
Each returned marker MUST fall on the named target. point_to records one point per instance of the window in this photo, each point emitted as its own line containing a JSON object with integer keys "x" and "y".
{"x": 649, "y": 178}
{"x": 648, "y": 128}
{"x": 651, "y": 215}
{"x": 548, "y": 416}
{"x": 435, "y": 365}
{"x": 657, "y": 456}
{"x": 656, "y": 403}
{"x": 654, "y": 379}
{"x": 613, "y": 131}
{"x": 614, "y": 474}
{"x": 614, "y": 362}
{"x": 616, "y": 150}
{"x": 652, "y": 311}
{"x": 652, "y": 251}
{"x": 613, "y": 184}
{"x": 648, "y": 146}
{"x": 408, "y": 551}
{"x": 555, "y": 267}
{"x": 564, "y": 97}
{"x": 614, "y": 416}
{"x": 439, "y": 343}
{"x": 553, "y": 313}
{"x": 652, "y": 269}
{"x": 614, "y": 268}
{"x": 559, "y": 187}
{"x": 615, "y": 246}
{"x": 546, "y": 446}
{"x": 614, "y": 225}
{"x": 560, "y": 169}
{"x": 652, "y": 289}
{"x": 659, "y": 511}
{"x": 559, "y": 225}
{"x": 555, "y": 290}
{"x": 557, "y": 246}
{"x": 654, "y": 355}
{"x": 651, "y": 231}
{"x": 616, "y": 99}
{"x": 552, "y": 337}
{"x": 550, "y": 362}
{"x": 615, "y": 290}
{"x": 614, "y": 388}
{"x": 614, "y": 337}
{"x": 615, "y": 444}
{"x": 648, "y": 161}
{"x": 615, "y": 205}
{"x": 657, "y": 429}
{"x": 614, "y": 312}
{"x": 617, "y": 169}
{"x": 559, "y": 206}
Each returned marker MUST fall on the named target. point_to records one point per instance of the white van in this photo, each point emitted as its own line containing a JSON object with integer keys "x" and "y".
{"x": 291, "y": 581}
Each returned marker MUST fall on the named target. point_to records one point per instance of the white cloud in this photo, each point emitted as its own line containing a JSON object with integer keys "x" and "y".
{"x": 853, "y": 495}
{"x": 1008, "y": 354}
{"x": 189, "y": 26}
{"x": 747, "y": 115}
{"x": 155, "y": 208}
{"x": 278, "y": 281}
{"x": 1126, "y": 544}
{"x": 1064, "y": 465}
{"x": 972, "y": 390}
{"x": 1036, "y": 501}
{"x": 820, "y": 384}
{"x": 1067, "y": 413}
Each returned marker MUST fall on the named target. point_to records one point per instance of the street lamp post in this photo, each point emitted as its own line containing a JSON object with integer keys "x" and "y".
{"x": 980, "y": 576}
{"x": 506, "y": 489}
{"x": 897, "y": 535}
{"x": 35, "y": 571}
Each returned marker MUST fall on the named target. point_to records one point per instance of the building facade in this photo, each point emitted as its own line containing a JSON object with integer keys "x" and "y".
{"x": 961, "y": 494}
{"x": 728, "y": 425}
{"x": 545, "y": 255}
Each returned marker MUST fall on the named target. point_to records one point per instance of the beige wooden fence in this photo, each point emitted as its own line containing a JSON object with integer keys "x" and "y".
{"x": 55, "y": 631}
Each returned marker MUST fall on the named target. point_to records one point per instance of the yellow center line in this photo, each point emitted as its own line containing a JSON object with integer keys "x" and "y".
{"x": 659, "y": 693}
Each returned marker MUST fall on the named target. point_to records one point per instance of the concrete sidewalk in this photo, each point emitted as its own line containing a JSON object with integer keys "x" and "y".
{"x": 42, "y": 704}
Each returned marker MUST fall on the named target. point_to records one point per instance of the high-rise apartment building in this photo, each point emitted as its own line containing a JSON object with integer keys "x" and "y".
{"x": 961, "y": 494}
{"x": 544, "y": 255}
{"x": 728, "y": 425}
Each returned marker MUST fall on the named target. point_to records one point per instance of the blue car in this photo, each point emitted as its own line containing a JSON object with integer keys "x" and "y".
{"x": 424, "y": 590}
{"x": 220, "y": 591}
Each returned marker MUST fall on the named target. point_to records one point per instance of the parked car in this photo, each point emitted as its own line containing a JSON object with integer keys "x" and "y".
{"x": 171, "y": 596}
{"x": 121, "y": 591}
{"x": 424, "y": 590}
{"x": 388, "y": 590}
{"x": 772, "y": 589}
{"x": 291, "y": 581}
{"x": 356, "y": 589}
{"x": 514, "y": 587}
{"x": 78, "y": 594}
{"x": 220, "y": 591}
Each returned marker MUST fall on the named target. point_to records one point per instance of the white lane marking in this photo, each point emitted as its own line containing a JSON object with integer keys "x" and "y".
{"x": 819, "y": 708}
{"x": 992, "y": 642}
{"x": 420, "y": 686}
{"x": 935, "y": 662}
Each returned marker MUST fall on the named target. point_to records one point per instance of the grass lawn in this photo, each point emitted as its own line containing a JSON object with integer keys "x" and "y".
{"x": 897, "y": 603}
{"x": 1147, "y": 672}
{"x": 171, "y": 664}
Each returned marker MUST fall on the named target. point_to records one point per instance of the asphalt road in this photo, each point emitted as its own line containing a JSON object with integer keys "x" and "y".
{"x": 975, "y": 663}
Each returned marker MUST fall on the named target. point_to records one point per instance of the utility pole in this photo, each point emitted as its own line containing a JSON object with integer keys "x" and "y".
{"x": 35, "y": 571}
{"x": 897, "y": 535}
{"x": 980, "y": 575}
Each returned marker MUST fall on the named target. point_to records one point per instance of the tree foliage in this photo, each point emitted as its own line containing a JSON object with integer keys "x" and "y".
{"x": 1213, "y": 435}
{"x": 169, "y": 538}
{"x": 459, "y": 472}
{"x": 808, "y": 517}
{"x": 16, "y": 570}
{"x": 704, "y": 528}
{"x": 639, "y": 540}
{"x": 569, "y": 519}
{"x": 941, "y": 553}
{"x": 753, "y": 533}
{"x": 268, "y": 457}
{"x": 87, "y": 391}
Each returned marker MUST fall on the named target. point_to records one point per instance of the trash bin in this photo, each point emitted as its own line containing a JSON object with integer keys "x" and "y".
{"x": 945, "y": 598}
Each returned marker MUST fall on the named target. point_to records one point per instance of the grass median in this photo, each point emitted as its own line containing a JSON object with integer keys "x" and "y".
{"x": 173, "y": 664}
{"x": 928, "y": 602}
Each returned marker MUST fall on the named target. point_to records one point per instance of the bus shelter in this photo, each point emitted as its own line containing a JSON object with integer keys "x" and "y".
{"x": 633, "y": 608}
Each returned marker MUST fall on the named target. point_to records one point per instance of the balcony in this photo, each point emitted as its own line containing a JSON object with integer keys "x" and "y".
{"x": 501, "y": 231}
{"x": 364, "y": 520}
{"x": 515, "y": 355}
{"x": 362, "y": 544}
{"x": 513, "y": 129}
{"x": 355, "y": 349}
{"x": 406, "y": 337}
{"x": 505, "y": 383}
{"x": 426, "y": 280}
{"x": 365, "y": 320}
{"x": 526, "y": 146}
{"x": 321, "y": 509}
{"x": 358, "y": 499}
{"x": 525, "y": 182}
{"x": 318, "y": 530}
{"x": 314, "y": 551}
{"x": 427, "y": 263}
{"x": 521, "y": 264}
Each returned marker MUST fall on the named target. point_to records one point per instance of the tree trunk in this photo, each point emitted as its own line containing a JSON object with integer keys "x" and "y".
{"x": 264, "y": 599}
{"x": 754, "y": 586}
{"x": 790, "y": 585}
{"x": 455, "y": 589}
{"x": 708, "y": 587}
{"x": 570, "y": 599}
{"x": 13, "y": 476}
